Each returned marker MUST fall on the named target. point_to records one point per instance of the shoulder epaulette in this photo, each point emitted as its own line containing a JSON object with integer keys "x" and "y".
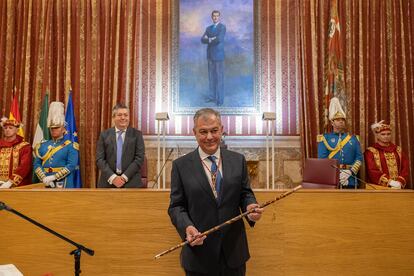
{"x": 21, "y": 145}
{"x": 24, "y": 143}
{"x": 75, "y": 145}
{"x": 372, "y": 149}
{"x": 67, "y": 142}
{"x": 40, "y": 143}
{"x": 319, "y": 138}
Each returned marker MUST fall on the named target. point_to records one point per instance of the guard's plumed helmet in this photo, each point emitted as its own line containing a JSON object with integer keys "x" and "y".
{"x": 335, "y": 110}
{"x": 56, "y": 116}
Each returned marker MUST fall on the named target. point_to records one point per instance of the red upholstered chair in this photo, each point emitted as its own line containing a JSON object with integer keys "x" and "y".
{"x": 319, "y": 174}
{"x": 144, "y": 173}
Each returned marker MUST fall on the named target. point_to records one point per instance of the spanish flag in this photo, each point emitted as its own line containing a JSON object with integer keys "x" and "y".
{"x": 15, "y": 115}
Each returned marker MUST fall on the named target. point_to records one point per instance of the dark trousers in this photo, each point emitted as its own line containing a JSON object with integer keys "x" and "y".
{"x": 224, "y": 270}
{"x": 241, "y": 271}
{"x": 216, "y": 80}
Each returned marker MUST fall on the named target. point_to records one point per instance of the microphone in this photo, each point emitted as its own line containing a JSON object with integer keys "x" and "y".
{"x": 357, "y": 178}
{"x": 162, "y": 167}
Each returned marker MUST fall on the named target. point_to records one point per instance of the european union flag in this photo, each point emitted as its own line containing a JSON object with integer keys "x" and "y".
{"x": 72, "y": 135}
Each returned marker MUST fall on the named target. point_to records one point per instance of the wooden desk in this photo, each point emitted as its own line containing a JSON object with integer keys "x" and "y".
{"x": 312, "y": 232}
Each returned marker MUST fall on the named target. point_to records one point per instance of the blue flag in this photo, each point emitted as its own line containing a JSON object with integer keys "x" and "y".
{"x": 72, "y": 135}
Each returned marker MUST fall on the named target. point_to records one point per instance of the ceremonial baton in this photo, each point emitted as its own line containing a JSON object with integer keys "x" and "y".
{"x": 230, "y": 221}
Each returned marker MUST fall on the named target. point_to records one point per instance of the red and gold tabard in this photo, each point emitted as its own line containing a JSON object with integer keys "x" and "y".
{"x": 16, "y": 161}
{"x": 386, "y": 163}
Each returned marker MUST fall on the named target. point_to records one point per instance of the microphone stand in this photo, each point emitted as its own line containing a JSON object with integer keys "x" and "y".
{"x": 178, "y": 151}
{"x": 163, "y": 165}
{"x": 357, "y": 178}
{"x": 76, "y": 253}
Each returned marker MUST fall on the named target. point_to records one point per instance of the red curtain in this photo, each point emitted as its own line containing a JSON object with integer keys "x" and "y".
{"x": 97, "y": 48}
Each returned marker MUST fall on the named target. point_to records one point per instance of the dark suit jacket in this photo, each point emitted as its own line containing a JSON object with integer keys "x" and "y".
{"x": 133, "y": 152}
{"x": 193, "y": 203}
{"x": 215, "y": 48}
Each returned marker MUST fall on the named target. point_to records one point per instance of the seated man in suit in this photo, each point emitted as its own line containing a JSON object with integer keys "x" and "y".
{"x": 120, "y": 152}
{"x": 56, "y": 159}
{"x": 342, "y": 146}
{"x": 15, "y": 156}
{"x": 208, "y": 187}
{"x": 386, "y": 164}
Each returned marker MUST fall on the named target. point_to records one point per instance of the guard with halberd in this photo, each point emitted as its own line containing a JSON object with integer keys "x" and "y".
{"x": 342, "y": 146}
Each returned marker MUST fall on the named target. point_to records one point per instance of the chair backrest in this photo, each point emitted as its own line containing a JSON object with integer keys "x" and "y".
{"x": 144, "y": 173}
{"x": 319, "y": 174}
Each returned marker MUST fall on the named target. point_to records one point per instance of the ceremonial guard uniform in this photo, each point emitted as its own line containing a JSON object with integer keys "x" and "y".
{"x": 15, "y": 159}
{"x": 386, "y": 164}
{"x": 341, "y": 146}
{"x": 56, "y": 159}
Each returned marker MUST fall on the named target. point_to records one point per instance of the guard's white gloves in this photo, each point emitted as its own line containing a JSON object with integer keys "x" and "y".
{"x": 344, "y": 175}
{"x": 395, "y": 184}
{"x": 344, "y": 182}
{"x": 51, "y": 184}
{"x": 48, "y": 180}
{"x": 6, "y": 185}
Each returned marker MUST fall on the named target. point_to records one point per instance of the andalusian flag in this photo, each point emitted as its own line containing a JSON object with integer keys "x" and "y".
{"x": 72, "y": 135}
{"x": 15, "y": 114}
{"x": 42, "y": 131}
{"x": 335, "y": 84}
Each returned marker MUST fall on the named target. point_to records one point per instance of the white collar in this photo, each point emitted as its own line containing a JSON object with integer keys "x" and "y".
{"x": 204, "y": 155}
{"x": 117, "y": 130}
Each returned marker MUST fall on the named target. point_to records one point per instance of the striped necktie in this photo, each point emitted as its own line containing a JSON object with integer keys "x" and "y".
{"x": 215, "y": 174}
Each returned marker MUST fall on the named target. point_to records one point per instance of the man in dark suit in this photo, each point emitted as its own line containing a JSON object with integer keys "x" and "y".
{"x": 209, "y": 186}
{"x": 214, "y": 38}
{"x": 120, "y": 152}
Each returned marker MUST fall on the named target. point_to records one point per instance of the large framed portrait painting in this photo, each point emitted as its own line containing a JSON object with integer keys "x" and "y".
{"x": 215, "y": 53}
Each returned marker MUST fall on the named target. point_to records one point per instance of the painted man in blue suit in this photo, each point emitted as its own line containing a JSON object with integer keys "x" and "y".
{"x": 342, "y": 146}
{"x": 57, "y": 158}
{"x": 214, "y": 38}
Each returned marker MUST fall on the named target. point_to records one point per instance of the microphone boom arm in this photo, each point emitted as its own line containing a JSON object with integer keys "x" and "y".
{"x": 162, "y": 168}
{"x": 76, "y": 252}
